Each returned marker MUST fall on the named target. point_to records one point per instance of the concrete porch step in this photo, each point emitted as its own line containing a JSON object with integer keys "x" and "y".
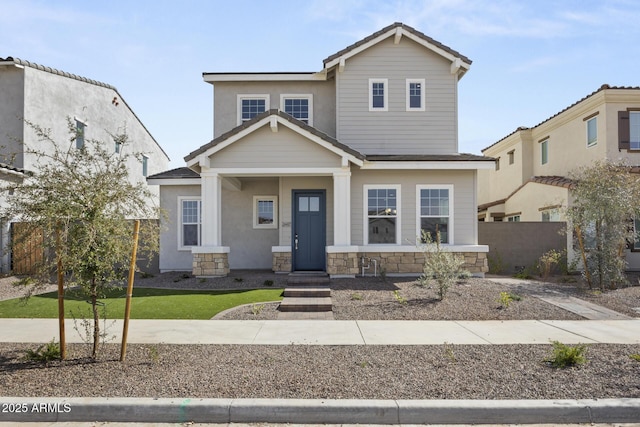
{"x": 308, "y": 278}
{"x": 307, "y": 292}
{"x": 306, "y": 304}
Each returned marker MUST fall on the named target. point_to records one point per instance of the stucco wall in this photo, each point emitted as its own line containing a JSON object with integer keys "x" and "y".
{"x": 11, "y": 111}
{"x": 225, "y": 116}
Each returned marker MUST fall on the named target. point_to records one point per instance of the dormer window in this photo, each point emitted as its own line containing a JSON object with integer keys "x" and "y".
{"x": 250, "y": 106}
{"x": 378, "y": 95}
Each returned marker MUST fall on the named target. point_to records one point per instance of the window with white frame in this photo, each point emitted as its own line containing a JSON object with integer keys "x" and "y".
{"x": 592, "y": 131}
{"x": 190, "y": 231}
{"x": 382, "y": 214}
{"x": 298, "y": 106}
{"x": 435, "y": 212}
{"x": 513, "y": 218}
{"x": 415, "y": 95}
{"x": 550, "y": 215}
{"x": 250, "y": 106}
{"x": 634, "y": 130}
{"x": 265, "y": 211}
{"x": 378, "y": 95}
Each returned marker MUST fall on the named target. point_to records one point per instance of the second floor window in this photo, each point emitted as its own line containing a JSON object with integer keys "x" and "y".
{"x": 415, "y": 95}
{"x": 80, "y": 128}
{"x": 250, "y": 106}
{"x": 592, "y": 131}
{"x": 145, "y": 166}
{"x": 544, "y": 152}
{"x": 378, "y": 96}
{"x": 634, "y": 130}
{"x": 298, "y": 106}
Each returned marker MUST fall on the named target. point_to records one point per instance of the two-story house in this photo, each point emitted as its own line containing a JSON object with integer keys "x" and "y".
{"x": 47, "y": 98}
{"x": 314, "y": 171}
{"x": 531, "y": 179}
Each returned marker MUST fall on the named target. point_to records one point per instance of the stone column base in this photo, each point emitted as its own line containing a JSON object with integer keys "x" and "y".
{"x": 210, "y": 264}
{"x": 281, "y": 262}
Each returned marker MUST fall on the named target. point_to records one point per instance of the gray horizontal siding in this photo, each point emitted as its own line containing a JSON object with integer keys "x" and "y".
{"x": 398, "y": 131}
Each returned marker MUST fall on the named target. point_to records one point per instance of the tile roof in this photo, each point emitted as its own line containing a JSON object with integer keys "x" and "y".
{"x": 263, "y": 115}
{"x": 603, "y": 87}
{"x": 177, "y": 173}
{"x": 556, "y": 181}
{"x": 7, "y": 167}
{"x": 390, "y": 27}
{"x": 55, "y": 71}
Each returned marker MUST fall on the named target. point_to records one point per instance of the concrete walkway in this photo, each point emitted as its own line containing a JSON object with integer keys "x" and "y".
{"x": 340, "y": 332}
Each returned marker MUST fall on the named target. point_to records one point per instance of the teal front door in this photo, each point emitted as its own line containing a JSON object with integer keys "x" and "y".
{"x": 309, "y": 230}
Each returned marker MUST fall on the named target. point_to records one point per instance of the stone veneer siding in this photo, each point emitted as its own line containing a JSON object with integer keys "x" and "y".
{"x": 281, "y": 262}
{"x": 210, "y": 264}
{"x": 397, "y": 262}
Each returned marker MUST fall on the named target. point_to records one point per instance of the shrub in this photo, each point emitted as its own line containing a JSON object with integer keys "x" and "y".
{"x": 268, "y": 283}
{"x": 399, "y": 298}
{"x": 496, "y": 266}
{"x": 257, "y": 309}
{"x": 565, "y": 355}
{"x": 548, "y": 261}
{"x": 441, "y": 266}
{"x": 45, "y": 353}
{"x": 506, "y": 298}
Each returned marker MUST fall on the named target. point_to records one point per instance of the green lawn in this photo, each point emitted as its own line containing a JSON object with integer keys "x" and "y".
{"x": 147, "y": 303}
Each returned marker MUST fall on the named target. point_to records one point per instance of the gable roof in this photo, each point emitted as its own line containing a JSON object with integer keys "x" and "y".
{"x": 552, "y": 180}
{"x": 22, "y": 63}
{"x": 600, "y": 89}
{"x": 177, "y": 173}
{"x": 259, "y": 121}
{"x": 399, "y": 29}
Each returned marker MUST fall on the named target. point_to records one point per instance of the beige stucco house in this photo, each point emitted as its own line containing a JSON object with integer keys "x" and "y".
{"x": 48, "y": 97}
{"x": 530, "y": 181}
{"x": 320, "y": 171}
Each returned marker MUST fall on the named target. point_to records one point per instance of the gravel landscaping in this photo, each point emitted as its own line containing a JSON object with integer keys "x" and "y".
{"x": 339, "y": 372}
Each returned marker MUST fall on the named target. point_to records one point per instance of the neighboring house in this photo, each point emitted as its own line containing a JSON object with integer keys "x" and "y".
{"x": 47, "y": 97}
{"x": 531, "y": 179}
{"x": 314, "y": 171}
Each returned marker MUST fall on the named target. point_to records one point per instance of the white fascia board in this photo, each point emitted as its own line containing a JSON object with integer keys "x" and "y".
{"x": 416, "y": 249}
{"x": 434, "y": 165}
{"x": 173, "y": 181}
{"x": 394, "y": 32}
{"x": 260, "y": 77}
{"x": 247, "y": 172}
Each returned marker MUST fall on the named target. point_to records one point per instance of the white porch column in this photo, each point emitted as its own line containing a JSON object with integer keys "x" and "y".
{"x": 342, "y": 208}
{"x": 211, "y": 196}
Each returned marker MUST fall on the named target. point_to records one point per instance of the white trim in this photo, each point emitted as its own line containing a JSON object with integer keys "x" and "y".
{"x": 242, "y": 96}
{"x": 210, "y": 249}
{"x": 365, "y": 211}
{"x": 246, "y": 172}
{"x": 264, "y": 77}
{"x": 307, "y": 96}
{"x": 275, "y": 249}
{"x": 181, "y": 199}
{"x": 173, "y": 181}
{"x": 422, "y": 94}
{"x": 273, "y": 199}
{"x": 394, "y": 32}
{"x": 385, "y": 82}
{"x": 429, "y": 164}
{"x": 294, "y": 127}
{"x": 410, "y": 248}
{"x": 450, "y": 225}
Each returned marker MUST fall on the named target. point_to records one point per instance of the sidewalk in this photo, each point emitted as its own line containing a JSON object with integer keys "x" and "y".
{"x": 339, "y": 332}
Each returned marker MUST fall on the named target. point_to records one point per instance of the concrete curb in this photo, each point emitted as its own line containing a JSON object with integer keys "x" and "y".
{"x": 316, "y": 411}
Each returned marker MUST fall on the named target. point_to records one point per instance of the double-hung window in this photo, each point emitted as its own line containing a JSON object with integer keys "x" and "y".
{"x": 298, "y": 106}
{"x": 415, "y": 95}
{"x": 250, "y": 106}
{"x": 634, "y": 130}
{"x": 378, "y": 95}
{"x": 435, "y": 212}
{"x": 190, "y": 232}
{"x": 382, "y": 214}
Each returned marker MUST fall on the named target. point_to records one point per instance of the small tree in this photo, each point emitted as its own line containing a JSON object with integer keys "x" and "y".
{"x": 441, "y": 266}
{"x": 606, "y": 198}
{"x": 80, "y": 201}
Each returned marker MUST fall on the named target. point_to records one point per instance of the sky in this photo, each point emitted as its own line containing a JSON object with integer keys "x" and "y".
{"x": 531, "y": 58}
